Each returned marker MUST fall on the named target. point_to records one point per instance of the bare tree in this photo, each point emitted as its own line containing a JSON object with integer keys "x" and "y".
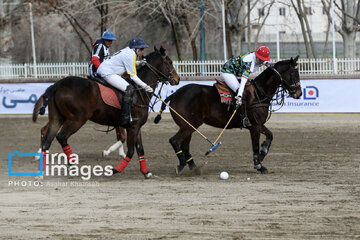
{"x": 349, "y": 14}
{"x": 299, "y": 8}
{"x": 261, "y": 22}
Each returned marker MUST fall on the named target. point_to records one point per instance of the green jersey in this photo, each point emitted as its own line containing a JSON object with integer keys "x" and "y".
{"x": 241, "y": 65}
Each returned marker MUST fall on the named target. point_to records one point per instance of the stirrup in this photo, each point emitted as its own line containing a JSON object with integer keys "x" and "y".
{"x": 246, "y": 122}
{"x": 132, "y": 119}
{"x": 124, "y": 123}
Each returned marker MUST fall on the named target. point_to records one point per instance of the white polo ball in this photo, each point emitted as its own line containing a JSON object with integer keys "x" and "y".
{"x": 224, "y": 175}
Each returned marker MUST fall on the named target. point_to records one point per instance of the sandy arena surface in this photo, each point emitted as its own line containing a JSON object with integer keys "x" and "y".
{"x": 312, "y": 190}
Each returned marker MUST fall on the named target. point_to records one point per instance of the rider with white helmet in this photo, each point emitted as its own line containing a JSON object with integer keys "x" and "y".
{"x": 124, "y": 61}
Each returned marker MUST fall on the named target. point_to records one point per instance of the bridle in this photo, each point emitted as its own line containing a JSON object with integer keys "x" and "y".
{"x": 161, "y": 76}
{"x": 292, "y": 78}
{"x": 284, "y": 85}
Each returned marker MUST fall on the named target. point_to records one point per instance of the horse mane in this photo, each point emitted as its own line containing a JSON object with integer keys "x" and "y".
{"x": 151, "y": 55}
{"x": 268, "y": 72}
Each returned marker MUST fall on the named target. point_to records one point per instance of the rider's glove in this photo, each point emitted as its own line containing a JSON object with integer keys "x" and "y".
{"x": 142, "y": 62}
{"x": 238, "y": 101}
{"x": 148, "y": 89}
{"x": 269, "y": 64}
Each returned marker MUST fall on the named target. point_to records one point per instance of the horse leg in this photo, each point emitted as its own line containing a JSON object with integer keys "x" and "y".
{"x": 176, "y": 142}
{"x": 68, "y": 129}
{"x": 132, "y": 134}
{"x": 120, "y": 136}
{"x": 112, "y": 148}
{"x": 255, "y": 136}
{"x": 185, "y": 146}
{"x": 43, "y": 132}
{"x": 142, "y": 159}
{"x": 265, "y": 146}
{"x": 51, "y": 129}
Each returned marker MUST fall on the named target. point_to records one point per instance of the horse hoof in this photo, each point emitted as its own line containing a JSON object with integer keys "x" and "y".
{"x": 196, "y": 171}
{"x": 192, "y": 166}
{"x": 115, "y": 171}
{"x": 148, "y": 175}
{"x": 178, "y": 170}
{"x": 262, "y": 169}
{"x": 104, "y": 154}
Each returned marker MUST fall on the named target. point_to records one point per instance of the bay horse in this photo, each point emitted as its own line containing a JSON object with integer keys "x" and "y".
{"x": 72, "y": 101}
{"x": 200, "y": 104}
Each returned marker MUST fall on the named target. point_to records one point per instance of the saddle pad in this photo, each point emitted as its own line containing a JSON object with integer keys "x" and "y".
{"x": 109, "y": 96}
{"x": 224, "y": 92}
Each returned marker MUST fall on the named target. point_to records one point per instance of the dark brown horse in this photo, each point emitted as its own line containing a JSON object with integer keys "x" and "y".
{"x": 73, "y": 100}
{"x": 200, "y": 104}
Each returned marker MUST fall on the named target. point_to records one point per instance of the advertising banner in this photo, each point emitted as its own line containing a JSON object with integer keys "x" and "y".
{"x": 20, "y": 98}
{"x": 319, "y": 96}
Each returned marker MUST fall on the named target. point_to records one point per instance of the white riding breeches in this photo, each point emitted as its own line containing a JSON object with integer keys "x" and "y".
{"x": 233, "y": 83}
{"x": 116, "y": 81}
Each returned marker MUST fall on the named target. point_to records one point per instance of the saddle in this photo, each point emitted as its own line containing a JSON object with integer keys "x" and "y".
{"x": 227, "y": 96}
{"x": 109, "y": 94}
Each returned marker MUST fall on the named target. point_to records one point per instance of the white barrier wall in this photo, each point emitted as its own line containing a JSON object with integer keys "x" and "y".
{"x": 335, "y": 95}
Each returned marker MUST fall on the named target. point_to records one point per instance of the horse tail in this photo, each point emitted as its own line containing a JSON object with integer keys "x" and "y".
{"x": 42, "y": 103}
{"x": 37, "y": 107}
{"x": 163, "y": 106}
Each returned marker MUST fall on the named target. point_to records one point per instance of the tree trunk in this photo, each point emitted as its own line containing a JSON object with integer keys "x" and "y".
{"x": 192, "y": 38}
{"x": 248, "y": 26}
{"x": 349, "y": 44}
{"x": 228, "y": 36}
{"x": 308, "y": 30}
{"x": 326, "y": 40}
{"x": 176, "y": 39}
{"x": 348, "y": 31}
{"x": 300, "y": 14}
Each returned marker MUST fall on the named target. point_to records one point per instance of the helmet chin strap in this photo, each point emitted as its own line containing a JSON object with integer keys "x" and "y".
{"x": 135, "y": 50}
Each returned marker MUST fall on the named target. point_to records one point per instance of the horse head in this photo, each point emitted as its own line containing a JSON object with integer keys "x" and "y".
{"x": 162, "y": 66}
{"x": 289, "y": 76}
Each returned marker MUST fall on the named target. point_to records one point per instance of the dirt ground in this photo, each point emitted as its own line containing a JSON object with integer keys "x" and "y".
{"x": 312, "y": 190}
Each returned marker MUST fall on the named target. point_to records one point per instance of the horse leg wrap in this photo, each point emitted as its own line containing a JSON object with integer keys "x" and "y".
{"x": 257, "y": 163}
{"x": 43, "y": 162}
{"x": 265, "y": 146}
{"x": 181, "y": 157}
{"x": 143, "y": 168}
{"x": 190, "y": 160}
{"x": 67, "y": 150}
{"x": 123, "y": 164}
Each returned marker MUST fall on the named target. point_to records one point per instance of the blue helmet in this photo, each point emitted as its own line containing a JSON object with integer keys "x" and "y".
{"x": 137, "y": 42}
{"x": 108, "y": 35}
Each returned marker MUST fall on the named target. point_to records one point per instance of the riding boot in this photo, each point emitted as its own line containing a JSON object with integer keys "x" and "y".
{"x": 126, "y": 106}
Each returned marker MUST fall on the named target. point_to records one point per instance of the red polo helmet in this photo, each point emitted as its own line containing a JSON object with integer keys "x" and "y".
{"x": 263, "y": 53}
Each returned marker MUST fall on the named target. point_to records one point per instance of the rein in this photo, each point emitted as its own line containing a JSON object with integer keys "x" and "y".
{"x": 159, "y": 74}
{"x": 280, "y": 101}
{"x": 160, "y": 77}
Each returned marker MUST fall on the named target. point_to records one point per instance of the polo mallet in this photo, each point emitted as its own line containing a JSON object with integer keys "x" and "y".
{"x": 214, "y": 146}
{"x": 217, "y": 139}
